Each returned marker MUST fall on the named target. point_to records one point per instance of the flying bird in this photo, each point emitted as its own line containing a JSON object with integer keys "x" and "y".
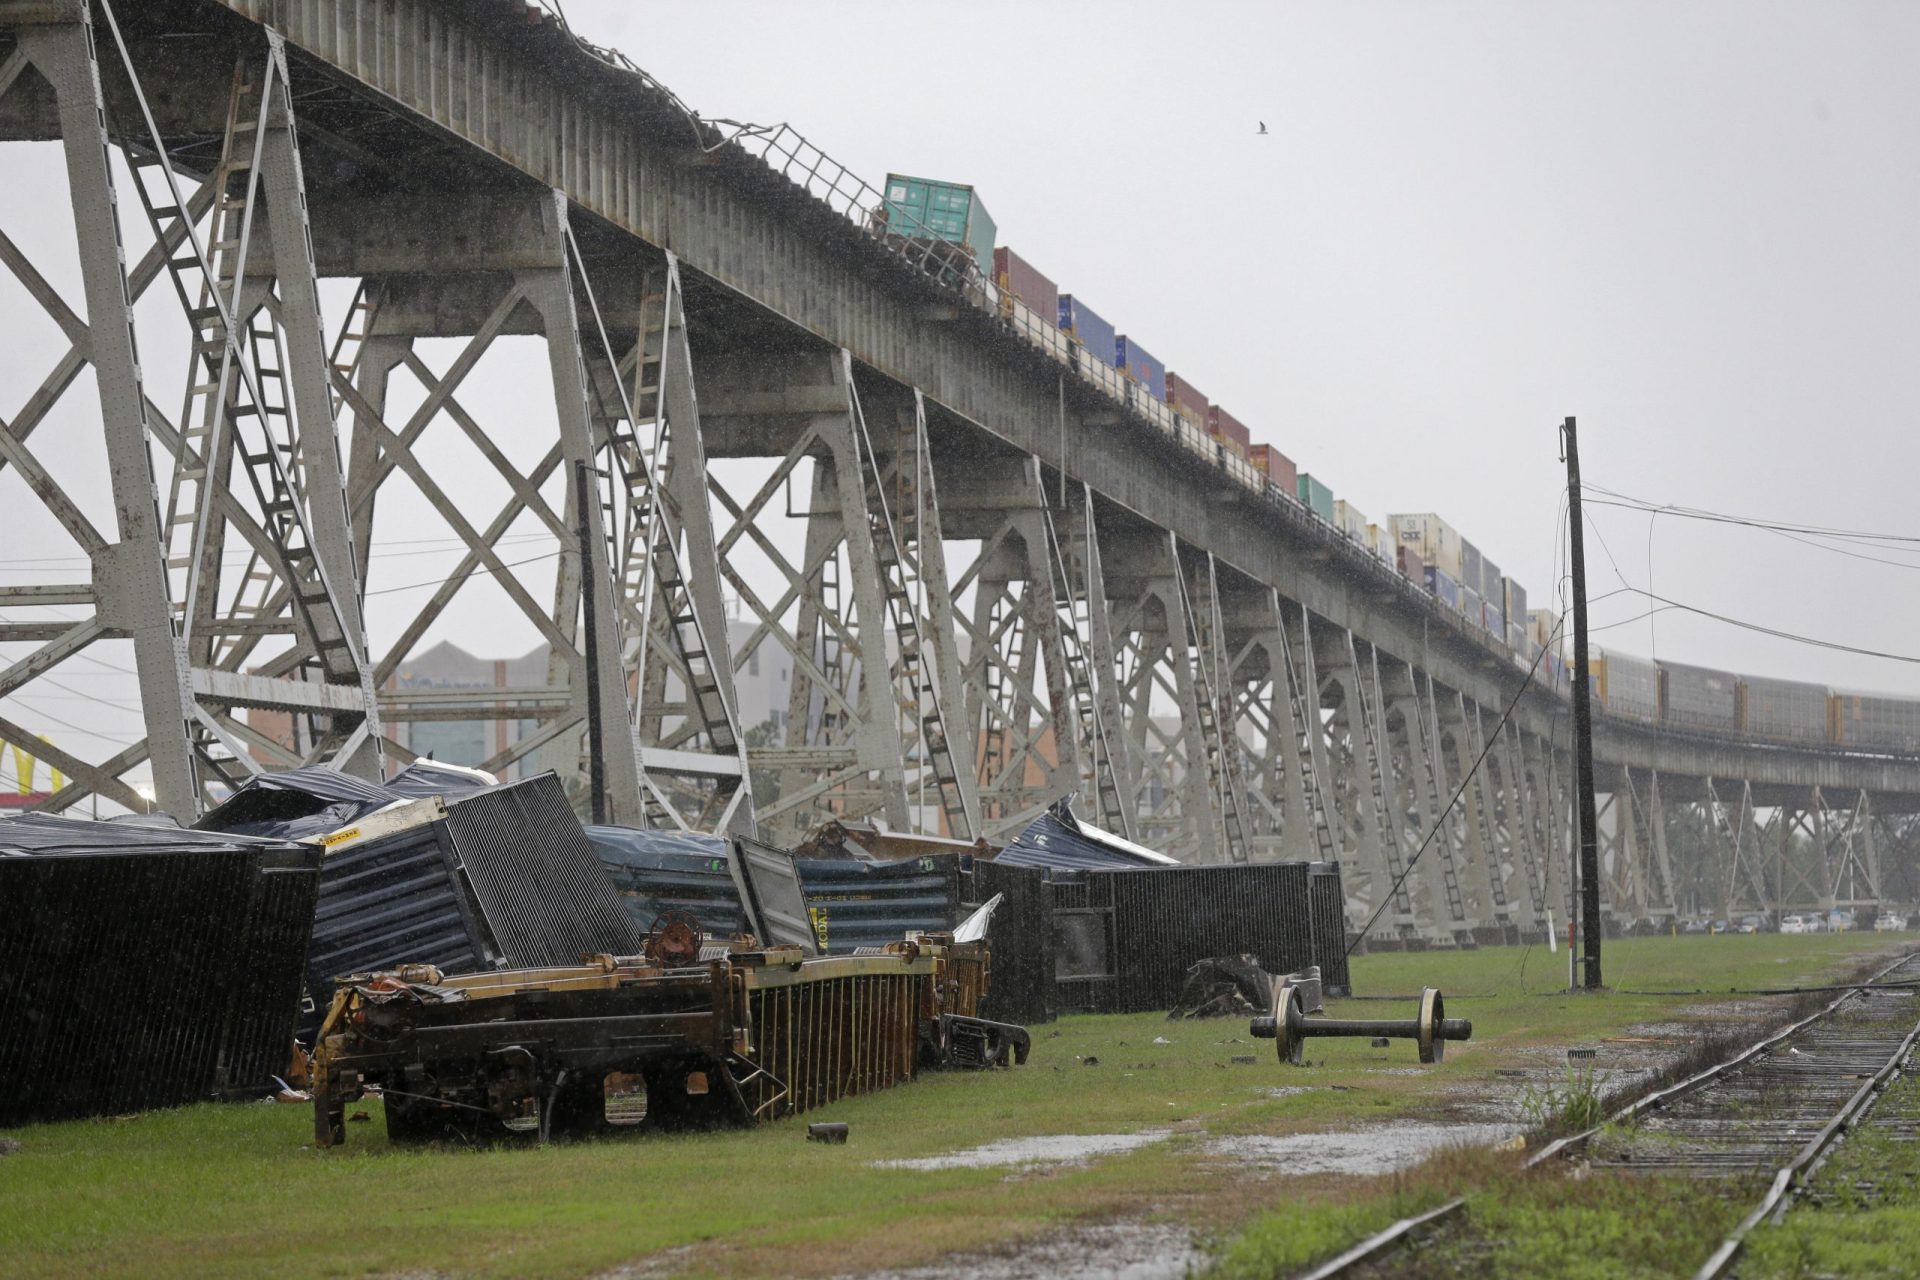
{"x": 1263, "y": 126}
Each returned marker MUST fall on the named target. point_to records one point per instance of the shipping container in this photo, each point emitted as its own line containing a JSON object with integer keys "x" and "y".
{"x": 1411, "y": 566}
{"x": 1518, "y": 641}
{"x": 1627, "y": 686}
{"x": 1225, "y": 426}
{"x": 921, "y": 208}
{"x": 1876, "y": 720}
{"x": 1490, "y": 619}
{"x": 1087, "y": 328}
{"x": 1133, "y": 359}
{"x": 1470, "y": 605}
{"x": 1783, "y": 710}
{"x": 1125, "y": 938}
{"x": 1516, "y": 603}
{"x": 1278, "y": 467}
{"x": 1443, "y": 587}
{"x": 1544, "y": 625}
{"x": 1471, "y": 568}
{"x": 1018, "y": 277}
{"x": 1699, "y": 698}
{"x": 1380, "y": 542}
{"x": 1313, "y": 495}
{"x": 1351, "y": 521}
{"x": 1433, "y": 538}
{"x": 1188, "y": 403}
{"x": 1493, "y": 588}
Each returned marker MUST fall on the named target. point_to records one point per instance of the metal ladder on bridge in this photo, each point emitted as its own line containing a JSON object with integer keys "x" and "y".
{"x": 1476, "y": 746}
{"x": 1305, "y": 728}
{"x": 642, "y": 533}
{"x": 1204, "y": 627}
{"x": 890, "y": 560}
{"x": 1429, "y": 781}
{"x": 1075, "y": 613}
{"x": 226, "y": 391}
{"x": 1514, "y": 767}
{"x": 1377, "y": 785}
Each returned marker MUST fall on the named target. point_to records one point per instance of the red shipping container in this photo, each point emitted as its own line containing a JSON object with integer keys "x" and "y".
{"x": 1277, "y": 466}
{"x": 1189, "y": 403}
{"x": 1227, "y": 427}
{"x": 1018, "y": 277}
{"x": 1412, "y": 567}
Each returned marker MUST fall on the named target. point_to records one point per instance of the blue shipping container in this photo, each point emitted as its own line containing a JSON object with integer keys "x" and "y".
{"x": 1083, "y": 323}
{"x": 1141, "y": 367}
{"x": 1443, "y": 587}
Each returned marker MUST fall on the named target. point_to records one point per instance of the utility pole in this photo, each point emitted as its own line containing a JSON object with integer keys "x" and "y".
{"x": 596, "y": 756}
{"x": 1588, "y": 865}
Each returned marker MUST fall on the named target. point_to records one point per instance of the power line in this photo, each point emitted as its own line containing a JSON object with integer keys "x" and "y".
{"x": 1702, "y": 513}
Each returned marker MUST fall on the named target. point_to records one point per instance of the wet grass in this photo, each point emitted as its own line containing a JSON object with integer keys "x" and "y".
{"x": 227, "y": 1191}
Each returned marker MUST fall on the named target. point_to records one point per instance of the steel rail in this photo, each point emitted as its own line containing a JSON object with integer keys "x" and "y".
{"x": 1396, "y": 1235}
{"x": 1788, "y": 1180}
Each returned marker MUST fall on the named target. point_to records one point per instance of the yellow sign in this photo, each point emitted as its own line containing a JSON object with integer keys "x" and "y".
{"x": 341, "y": 836}
{"x": 25, "y": 766}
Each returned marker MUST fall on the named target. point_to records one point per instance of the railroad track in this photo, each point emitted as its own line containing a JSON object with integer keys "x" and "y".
{"x": 1780, "y": 1106}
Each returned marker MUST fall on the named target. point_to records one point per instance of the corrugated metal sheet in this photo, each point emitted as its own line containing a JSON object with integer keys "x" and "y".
{"x": 866, "y": 904}
{"x": 292, "y": 803}
{"x": 391, "y": 901}
{"x": 536, "y": 881}
{"x": 1020, "y": 936}
{"x": 657, "y": 871}
{"x": 112, "y": 955}
{"x": 1328, "y": 901}
{"x": 1061, "y": 840}
{"x": 1125, "y": 939}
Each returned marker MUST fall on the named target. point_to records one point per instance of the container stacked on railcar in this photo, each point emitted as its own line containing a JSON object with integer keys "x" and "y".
{"x": 1783, "y": 710}
{"x": 1421, "y": 548}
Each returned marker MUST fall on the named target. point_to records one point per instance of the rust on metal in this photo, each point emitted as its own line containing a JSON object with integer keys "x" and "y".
{"x": 737, "y": 1035}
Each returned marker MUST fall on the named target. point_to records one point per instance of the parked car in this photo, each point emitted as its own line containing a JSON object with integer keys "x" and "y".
{"x": 1693, "y": 926}
{"x": 1793, "y": 924}
{"x": 1840, "y": 921}
{"x": 1717, "y": 926}
{"x": 1753, "y": 924}
{"x": 1816, "y": 923}
{"x": 1887, "y": 922}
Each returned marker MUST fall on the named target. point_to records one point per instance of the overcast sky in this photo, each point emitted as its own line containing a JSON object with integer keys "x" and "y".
{"x": 1691, "y": 226}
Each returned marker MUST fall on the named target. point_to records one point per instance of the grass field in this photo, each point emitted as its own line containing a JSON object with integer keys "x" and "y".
{"x": 233, "y": 1190}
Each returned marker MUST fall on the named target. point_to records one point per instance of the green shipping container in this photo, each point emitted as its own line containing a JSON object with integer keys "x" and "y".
{"x": 1315, "y": 496}
{"x": 921, "y": 208}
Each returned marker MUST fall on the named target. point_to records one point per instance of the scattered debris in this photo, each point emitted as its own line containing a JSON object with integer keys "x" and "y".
{"x": 730, "y": 1038}
{"x": 9, "y": 1146}
{"x": 1289, "y": 1027}
{"x": 827, "y": 1131}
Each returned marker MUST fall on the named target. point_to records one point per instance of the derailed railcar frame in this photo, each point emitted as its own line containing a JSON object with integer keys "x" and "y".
{"x": 746, "y": 1035}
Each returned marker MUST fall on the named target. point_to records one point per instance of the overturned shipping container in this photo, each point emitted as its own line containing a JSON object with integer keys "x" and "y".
{"x": 118, "y": 937}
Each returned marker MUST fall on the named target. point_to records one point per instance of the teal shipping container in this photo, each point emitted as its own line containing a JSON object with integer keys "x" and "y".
{"x": 1315, "y": 496}
{"x": 921, "y": 208}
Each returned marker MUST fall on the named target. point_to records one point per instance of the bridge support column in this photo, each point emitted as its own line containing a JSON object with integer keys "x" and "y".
{"x": 131, "y": 594}
{"x": 1111, "y": 767}
{"x": 1028, "y": 741}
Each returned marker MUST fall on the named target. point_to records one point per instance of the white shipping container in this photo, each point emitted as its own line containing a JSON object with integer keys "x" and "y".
{"x": 1350, "y": 520}
{"x": 1380, "y": 542}
{"x": 1436, "y": 541}
{"x": 1540, "y": 626}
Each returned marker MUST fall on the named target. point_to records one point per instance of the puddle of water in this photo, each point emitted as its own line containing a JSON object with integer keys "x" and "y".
{"x": 1127, "y": 1250}
{"x": 1059, "y": 1148}
{"x": 1362, "y": 1152}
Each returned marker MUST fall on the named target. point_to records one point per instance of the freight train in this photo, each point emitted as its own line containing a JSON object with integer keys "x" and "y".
{"x": 1689, "y": 699}
{"x": 1419, "y": 551}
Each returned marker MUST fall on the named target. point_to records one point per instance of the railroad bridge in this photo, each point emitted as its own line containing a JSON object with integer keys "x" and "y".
{"x": 988, "y": 561}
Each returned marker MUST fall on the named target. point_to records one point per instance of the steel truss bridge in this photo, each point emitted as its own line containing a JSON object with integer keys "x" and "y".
{"x": 1002, "y": 573}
